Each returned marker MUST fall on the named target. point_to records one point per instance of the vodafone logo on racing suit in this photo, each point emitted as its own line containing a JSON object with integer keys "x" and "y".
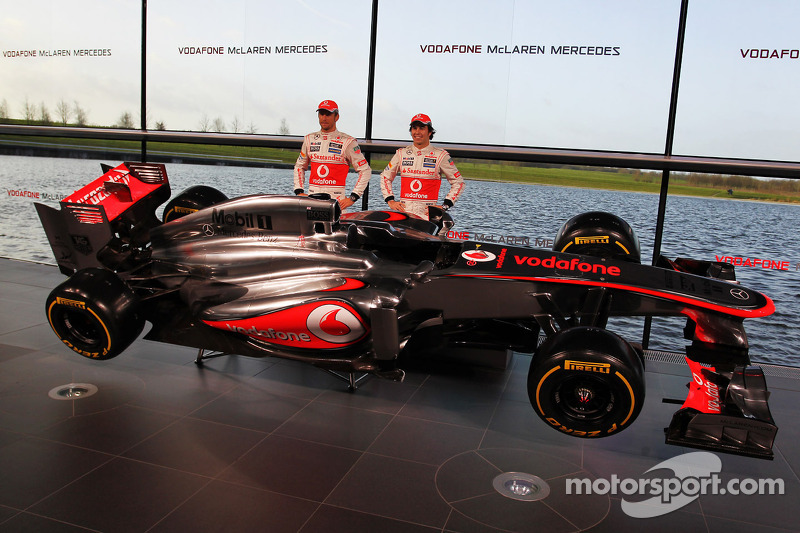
{"x": 414, "y": 188}
{"x": 328, "y": 174}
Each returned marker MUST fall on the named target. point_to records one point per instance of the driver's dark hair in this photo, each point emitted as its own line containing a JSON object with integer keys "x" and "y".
{"x": 430, "y": 127}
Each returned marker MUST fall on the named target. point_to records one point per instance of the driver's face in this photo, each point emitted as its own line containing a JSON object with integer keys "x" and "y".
{"x": 327, "y": 120}
{"x": 420, "y": 134}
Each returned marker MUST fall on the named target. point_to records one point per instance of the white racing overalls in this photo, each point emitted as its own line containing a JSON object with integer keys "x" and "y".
{"x": 330, "y": 156}
{"x": 421, "y": 172}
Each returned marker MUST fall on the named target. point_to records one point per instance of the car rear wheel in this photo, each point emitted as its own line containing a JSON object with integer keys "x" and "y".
{"x": 586, "y": 382}
{"x": 191, "y": 200}
{"x": 94, "y": 313}
{"x": 598, "y": 234}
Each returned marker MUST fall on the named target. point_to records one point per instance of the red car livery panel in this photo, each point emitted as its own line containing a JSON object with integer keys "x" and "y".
{"x": 319, "y": 325}
{"x": 98, "y": 193}
{"x": 347, "y": 284}
{"x": 704, "y": 393}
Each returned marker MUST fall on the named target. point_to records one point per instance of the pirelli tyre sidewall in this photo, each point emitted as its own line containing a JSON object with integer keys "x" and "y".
{"x": 94, "y": 313}
{"x": 191, "y": 200}
{"x": 598, "y": 234}
{"x": 586, "y": 382}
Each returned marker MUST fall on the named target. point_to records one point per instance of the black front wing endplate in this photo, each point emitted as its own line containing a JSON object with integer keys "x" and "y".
{"x": 739, "y": 422}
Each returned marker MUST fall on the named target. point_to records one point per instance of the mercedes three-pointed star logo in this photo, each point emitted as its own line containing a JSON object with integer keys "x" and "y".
{"x": 740, "y": 294}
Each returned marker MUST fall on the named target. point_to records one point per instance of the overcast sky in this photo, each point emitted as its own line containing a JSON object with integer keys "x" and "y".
{"x": 610, "y": 93}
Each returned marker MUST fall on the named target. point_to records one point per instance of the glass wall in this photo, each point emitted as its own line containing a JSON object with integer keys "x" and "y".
{"x": 757, "y": 238}
{"x": 533, "y": 73}
{"x": 249, "y": 66}
{"x": 578, "y": 75}
{"x": 581, "y": 74}
{"x": 75, "y": 62}
{"x": 741, "y": 67}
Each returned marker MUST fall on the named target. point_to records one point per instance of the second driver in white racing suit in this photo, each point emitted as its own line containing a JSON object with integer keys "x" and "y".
{"x": 421, "y": 168}
{"x": 330, "y": 153}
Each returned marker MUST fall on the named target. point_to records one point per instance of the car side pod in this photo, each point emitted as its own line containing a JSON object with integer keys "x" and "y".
{"x": 726, "y": 412}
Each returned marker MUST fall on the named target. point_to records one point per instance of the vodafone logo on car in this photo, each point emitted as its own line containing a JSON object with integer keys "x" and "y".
{"x": 335, "y": 324}
{"x": 318, "y": 325}
{"x": 479, "y": 256}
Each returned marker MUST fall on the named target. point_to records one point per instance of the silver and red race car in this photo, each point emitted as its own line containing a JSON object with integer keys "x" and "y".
{"x": 354, "y": 294}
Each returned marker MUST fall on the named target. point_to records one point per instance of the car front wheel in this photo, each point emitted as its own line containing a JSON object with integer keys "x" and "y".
{"x": 586, "y": 382}
{"x": 598, "y": 234}
{"x": 191, "y": 200}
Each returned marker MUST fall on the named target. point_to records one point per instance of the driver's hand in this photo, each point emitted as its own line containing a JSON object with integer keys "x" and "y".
{"x": 345, "y": 202}
{"x": 397, "y": 206}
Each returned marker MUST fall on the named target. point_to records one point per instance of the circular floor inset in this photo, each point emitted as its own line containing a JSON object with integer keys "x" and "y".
{"x": 72, "y": 391}
{"x": 478, "y": 485}
{"x": 521, "y": 486}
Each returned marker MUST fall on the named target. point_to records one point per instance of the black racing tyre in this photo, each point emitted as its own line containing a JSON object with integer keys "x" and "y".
{"x": 586, "y": 382}
{"x": 599, "y": 234}
{"x": 191, "y": 200}
{"x": 320, "y": 196}
{"x": 94, "y": 313}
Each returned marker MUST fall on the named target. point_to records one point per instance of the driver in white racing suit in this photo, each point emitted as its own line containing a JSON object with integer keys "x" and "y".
{"x": 421, "y": 167}
{"x": 330, "y": 153}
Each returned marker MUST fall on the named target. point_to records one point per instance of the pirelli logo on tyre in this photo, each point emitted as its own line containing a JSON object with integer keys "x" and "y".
{"x": 71, "y": 303}
{"x": 583, "y": 366}
{"x": 594, "y": 239}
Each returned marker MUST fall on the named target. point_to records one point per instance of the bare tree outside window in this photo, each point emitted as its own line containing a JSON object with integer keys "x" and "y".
{"x": 125, "y": 121}
{"x": 81, "y": 115}
{"x": 284, "y": 129}
{"x": 252, "y": 128}
{"x": 28, "y": 111}
{"x": 236, "y": 126}
{"x": 63, "y": 112}
{"x": 205, "y": 125}
{"x": 219, "y": 125}
{"x": 44, "y": 114}
{"x": 4, "y": 109}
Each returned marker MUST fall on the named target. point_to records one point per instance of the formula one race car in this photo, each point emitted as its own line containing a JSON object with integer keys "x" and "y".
{"x": 292, "y": 277}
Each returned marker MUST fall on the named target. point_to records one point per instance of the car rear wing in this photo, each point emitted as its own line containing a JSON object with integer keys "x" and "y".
{"x": 116, "y": 208}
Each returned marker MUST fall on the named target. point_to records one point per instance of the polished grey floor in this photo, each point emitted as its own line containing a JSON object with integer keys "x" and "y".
{"x": 268, "y": 445}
